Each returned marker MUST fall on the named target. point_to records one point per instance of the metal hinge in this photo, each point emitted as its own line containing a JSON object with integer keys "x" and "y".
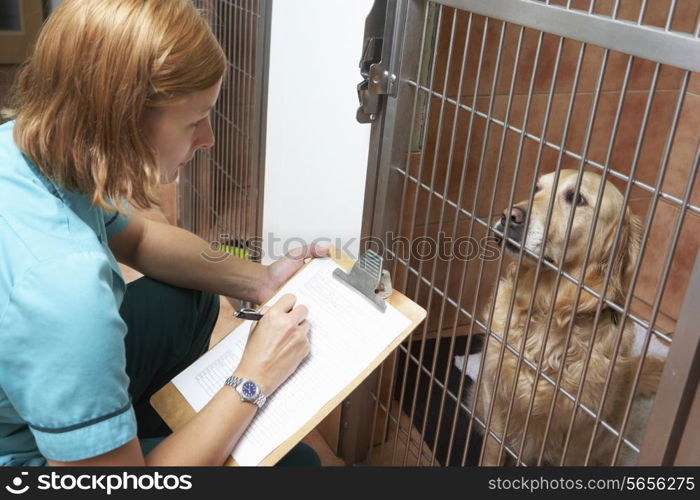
{"x": 375, "y": 66}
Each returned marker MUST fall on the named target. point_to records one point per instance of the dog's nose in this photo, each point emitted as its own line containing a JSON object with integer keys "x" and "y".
{"x": 517, "y": 216}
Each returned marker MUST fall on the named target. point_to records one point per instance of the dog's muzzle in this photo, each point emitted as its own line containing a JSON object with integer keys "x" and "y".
{"x": 516, "y": 226}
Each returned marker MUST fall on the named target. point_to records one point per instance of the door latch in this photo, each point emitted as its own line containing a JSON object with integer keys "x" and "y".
{"x": 378, "y": 78}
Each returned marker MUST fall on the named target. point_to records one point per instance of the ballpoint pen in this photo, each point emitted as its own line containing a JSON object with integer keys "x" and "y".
{"x": 248, "y": 313}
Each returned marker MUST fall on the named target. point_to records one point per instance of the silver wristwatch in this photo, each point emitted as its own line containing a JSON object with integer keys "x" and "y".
{"x": 248, "y": 390}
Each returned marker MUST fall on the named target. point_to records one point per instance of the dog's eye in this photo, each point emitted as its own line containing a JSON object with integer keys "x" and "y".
{"x": 569, "y": 197}
{"x": 538, "y": 188}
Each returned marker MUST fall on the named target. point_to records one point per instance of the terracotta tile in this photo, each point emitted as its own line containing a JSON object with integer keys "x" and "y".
{"x": 639, "y": 200}
{"x": 420, "y": 206}
{"x": 655, "y": 253}
{"x": 496, "y": 178}
{"x": 455, "y": 270}
{"x": 590, "y": 66}
{"x": 580, "y": 4}
{"x": 642, "y": 310}
{"x": 603, "y": 7}
{"x": 627, "y": 132}
{"x": 682, "y": 265}
{"x": 568, "y": 62}
{"x": 394, "y": 448}
{"x": 522, "y": 68}
{"x": 684, "y": 150}
{"x": 462, "y": 136}
{"x": 657, "y": 248}
{"x": 655, "y": 137}
{"x": 445, "y": 154}
{"x": 654, "y": 141}
{"x": 694, "y": 84}
{"x": 488, "y": 68}
{"x": 656, "y": 13}
{"x": 686, "y": 16}
{"x": 516, "y": 173}
{"x": 488, "y": 60}
{"x": 640, "y": 76}
{"x": 446, "y": 67}
{"x": 578, "y": 123}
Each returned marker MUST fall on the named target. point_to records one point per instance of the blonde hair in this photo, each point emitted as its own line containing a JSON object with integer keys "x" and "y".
{"x": 79, "y": 101}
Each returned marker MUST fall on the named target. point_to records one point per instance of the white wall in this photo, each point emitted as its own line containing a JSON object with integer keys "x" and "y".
{"x": 316, "y": 152}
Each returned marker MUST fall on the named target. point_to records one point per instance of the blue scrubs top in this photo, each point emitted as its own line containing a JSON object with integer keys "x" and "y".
{"x": 63, "y": 385}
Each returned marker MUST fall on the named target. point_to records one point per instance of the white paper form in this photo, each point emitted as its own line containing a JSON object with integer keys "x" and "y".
{"x": 347, "y": 333}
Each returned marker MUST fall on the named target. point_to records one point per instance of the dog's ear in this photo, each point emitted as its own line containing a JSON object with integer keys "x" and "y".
{"x": 625, "y": 255}
{"x": 621, "y": 264}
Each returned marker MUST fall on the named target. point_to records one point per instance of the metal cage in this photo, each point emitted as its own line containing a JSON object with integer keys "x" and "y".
{"x": 471, "y": 101}
{"x": 220, "y": 197}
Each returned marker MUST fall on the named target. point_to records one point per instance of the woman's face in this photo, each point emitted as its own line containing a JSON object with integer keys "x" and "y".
{"x": 179, "y": 128}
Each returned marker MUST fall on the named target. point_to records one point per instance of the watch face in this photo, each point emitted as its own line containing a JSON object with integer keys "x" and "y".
{"x": 249, "y": 389}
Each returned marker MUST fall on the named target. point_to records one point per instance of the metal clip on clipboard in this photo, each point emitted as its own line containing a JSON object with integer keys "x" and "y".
{"x": 368, "y": 278}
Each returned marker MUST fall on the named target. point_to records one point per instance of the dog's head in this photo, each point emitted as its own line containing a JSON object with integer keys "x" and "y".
{"x": 527, "y": 224}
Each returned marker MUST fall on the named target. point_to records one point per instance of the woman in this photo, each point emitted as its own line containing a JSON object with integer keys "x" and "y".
{"x": 114, "y": 101}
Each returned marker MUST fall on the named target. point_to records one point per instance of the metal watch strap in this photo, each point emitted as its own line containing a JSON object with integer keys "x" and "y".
{"x": 234, "y": 382}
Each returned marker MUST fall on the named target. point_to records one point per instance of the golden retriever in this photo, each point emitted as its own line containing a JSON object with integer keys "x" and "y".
{"x": 604, "y": 257}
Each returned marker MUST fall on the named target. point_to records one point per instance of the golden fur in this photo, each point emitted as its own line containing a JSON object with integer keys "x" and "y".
{"x": 601, "y": 258}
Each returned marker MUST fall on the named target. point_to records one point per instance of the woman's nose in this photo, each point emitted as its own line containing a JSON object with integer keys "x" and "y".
{"x": 206, "y": 138}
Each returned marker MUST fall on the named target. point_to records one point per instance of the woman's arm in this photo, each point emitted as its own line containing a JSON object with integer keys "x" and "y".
{"x": 207, "y": 439}
{"x": 273, "y": 352}
{"x": 178, "y": 257}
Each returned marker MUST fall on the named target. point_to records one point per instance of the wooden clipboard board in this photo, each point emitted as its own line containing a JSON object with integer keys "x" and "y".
{"x": 176, "y": 411}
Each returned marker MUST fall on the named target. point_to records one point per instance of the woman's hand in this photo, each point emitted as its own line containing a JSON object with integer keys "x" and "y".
{"x": 276, "y": 345}
{"x": 279, "y": 272}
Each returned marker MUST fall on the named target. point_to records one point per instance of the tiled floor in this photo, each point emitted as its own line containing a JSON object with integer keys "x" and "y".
{"x": 401, "y": 447}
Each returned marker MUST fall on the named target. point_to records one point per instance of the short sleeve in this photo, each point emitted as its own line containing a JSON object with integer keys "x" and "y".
{"x": 64, "y": 358}
{"x": 115, "y": 222}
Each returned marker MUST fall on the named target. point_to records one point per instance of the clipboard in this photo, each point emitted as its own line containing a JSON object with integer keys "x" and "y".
{"x": 174, "y": 409}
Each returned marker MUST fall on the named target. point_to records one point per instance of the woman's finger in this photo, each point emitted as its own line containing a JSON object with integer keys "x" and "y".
{"x": 285, "y": 303}
{"x": 299, "y": 314}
